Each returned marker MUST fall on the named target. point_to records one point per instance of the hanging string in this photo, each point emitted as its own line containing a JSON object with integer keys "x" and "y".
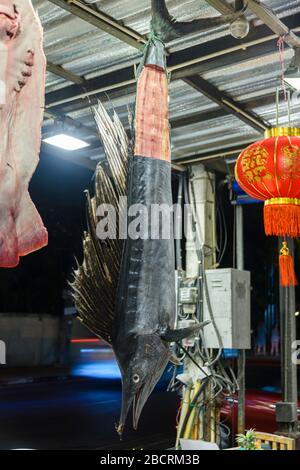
{"x": 280, "y": 45}
{"x": 288, "y": 101}
{"x": 152, "y": 40}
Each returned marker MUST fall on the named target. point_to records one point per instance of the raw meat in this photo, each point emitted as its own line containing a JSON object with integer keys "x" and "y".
{"x": 22, "y": 92}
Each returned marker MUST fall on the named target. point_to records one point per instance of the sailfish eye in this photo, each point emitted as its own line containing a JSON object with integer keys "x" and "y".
{"x": 136, "y": 378}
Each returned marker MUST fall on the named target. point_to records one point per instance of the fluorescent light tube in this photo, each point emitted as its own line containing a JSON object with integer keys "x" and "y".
{"x": 66, "y": 142}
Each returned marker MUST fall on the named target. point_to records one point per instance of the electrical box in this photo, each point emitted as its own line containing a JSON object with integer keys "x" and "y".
{"x": 188, "y": 295}
{"x": 286, "y": 412}
{"x": 227, "y": 301}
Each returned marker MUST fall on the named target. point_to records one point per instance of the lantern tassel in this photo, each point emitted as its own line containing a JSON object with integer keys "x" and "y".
{"x": 282, "y": 220}
{"x": 286, "y": 265}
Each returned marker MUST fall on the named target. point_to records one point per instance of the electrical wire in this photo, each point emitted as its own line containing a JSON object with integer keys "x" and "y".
{"x": 222, "y": 223}
{"x": 222, "y": 383}
{"x": 192, "y": 405}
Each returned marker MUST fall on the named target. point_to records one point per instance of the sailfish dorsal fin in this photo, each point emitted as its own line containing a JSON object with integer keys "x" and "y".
{"x": 96, "y": 279}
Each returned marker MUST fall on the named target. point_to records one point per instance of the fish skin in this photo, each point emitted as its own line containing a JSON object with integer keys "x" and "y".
{"x": 129, "y": 300}
{"x": 125, "y": 290}
{"x": 147, "y": 297}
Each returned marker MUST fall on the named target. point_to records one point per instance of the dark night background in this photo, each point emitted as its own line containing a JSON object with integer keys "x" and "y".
{"x": 261, "y": 259}
{"x": 36, "y": 285}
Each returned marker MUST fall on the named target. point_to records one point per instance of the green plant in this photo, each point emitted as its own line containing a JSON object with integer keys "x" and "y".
{"x": 247, "y": 441}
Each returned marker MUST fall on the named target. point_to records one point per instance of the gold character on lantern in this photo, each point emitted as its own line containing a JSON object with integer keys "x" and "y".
{"x": 254, "y": 164}
{"x": 291, "y": 163}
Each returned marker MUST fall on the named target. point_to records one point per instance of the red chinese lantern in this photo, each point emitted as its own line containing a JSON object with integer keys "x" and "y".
{"x": 269, "y": 170}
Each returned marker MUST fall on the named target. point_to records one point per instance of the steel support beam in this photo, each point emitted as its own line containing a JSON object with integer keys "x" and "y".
{"x": 59, "y": 117}
{"x": 222, "y": 6}
{"x": 102, "y": 21}
{"x": 61, "y": 72}
{"x": 86, "y": 12}
{"x": 197, "y": 59}
{"x": 212, "y": 155}
{"x": 273, "y": 22}
{"x": 197, "y": 118}
{"x": 227, "y": 103}
{"x": 265, "y": 14}
{"x": 115, "y": 28}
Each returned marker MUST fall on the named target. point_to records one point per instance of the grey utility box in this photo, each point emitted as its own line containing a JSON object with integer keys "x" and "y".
{"x": 228, "y": 300}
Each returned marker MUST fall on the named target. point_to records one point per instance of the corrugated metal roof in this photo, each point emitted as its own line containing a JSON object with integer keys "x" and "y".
{"x": 89, "y": 52}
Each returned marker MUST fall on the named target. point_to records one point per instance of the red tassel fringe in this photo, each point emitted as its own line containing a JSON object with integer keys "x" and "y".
{"x": 282, "y": 220}
{"x": 286, "y": 265}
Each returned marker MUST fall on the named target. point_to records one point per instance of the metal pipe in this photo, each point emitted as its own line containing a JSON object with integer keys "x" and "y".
{"x": 288, "y": 369}
{"x": 178, "y": 223}
{"x": 242, "y": 352}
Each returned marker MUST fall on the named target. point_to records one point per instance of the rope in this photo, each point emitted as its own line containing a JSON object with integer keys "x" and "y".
{"x": 280, "y": 44}
{"x": 152, "y": 40}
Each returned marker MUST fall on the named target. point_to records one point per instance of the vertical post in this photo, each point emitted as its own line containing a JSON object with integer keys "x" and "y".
{"x": 286, "y": 411}
{"x": 242, "y": 352}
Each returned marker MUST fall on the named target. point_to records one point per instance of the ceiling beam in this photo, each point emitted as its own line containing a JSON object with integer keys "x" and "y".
{"x": 102, "y": 21}
{"x": 64, "y": 119}
{"x": 118, "y": 30}
{"x": 205, "y": 116}
{"x": 221, "y": 6}
{"x": 196, "y": 118}
{"x": 212, "y": 155}
{"x": 201, "y": 58}
{"x": 63, "y": 73}
{"x": 265, "y": 14}
{"x": 227, "y": 103}
{"x": 270, "y": 18}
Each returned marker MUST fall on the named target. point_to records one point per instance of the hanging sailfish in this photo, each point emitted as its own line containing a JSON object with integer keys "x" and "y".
{"x": 125, "y": 290}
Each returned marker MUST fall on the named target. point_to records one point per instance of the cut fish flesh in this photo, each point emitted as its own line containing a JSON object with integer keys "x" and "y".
{"x": 22, "y": 98}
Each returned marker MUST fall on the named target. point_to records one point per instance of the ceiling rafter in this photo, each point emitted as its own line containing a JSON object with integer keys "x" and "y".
{"x": 102, "y": 21}
{"x": 235, "y": 52}
{"x": 227, "y": 103}
{"x": 270, "y": 18}
{"x": 114, "y": 28}
{"x": 190, "y": 67}
{"x": 197, "y": 118}
{"x": 212, "y": 155}
{"x": 63, "y": 73}
{"x": 63, "y": 119}
{"x": 265, "y": 14}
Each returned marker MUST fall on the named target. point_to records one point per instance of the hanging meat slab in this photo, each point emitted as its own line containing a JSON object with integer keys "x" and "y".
{"x": 22, "y": 92}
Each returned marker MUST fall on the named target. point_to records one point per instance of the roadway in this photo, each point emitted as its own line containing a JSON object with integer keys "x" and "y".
{"x": 81, "y": 412}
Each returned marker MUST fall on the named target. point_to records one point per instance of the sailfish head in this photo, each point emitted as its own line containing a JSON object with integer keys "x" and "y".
{"x": 142, "y": 365}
